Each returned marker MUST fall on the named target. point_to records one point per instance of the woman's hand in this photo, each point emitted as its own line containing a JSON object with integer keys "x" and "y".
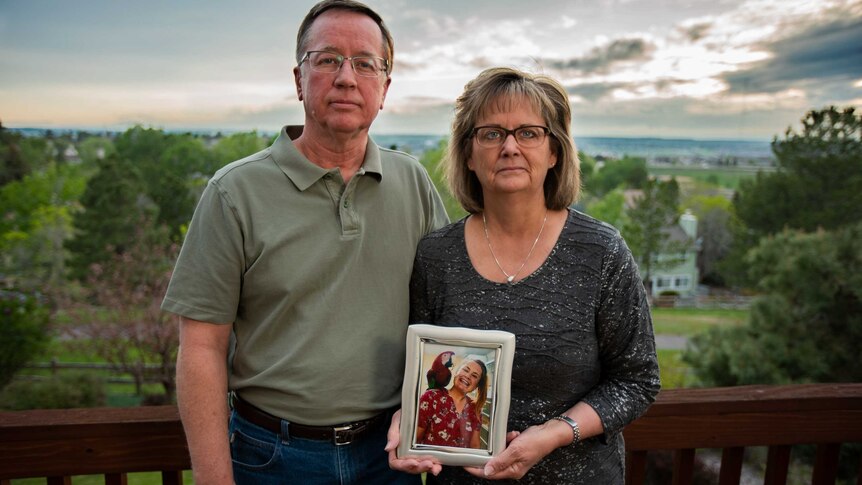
{"x": 415, "y": 464}
{"x": 523, "y": 451}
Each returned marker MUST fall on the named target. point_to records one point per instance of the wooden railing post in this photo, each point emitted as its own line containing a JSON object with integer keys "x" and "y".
{"x": 635, "y": 467}
{"x": 825, "y": 464}
{"x": 116, "y": 479}
{"x": 777, "y": 464}
{"x": 731, "y": 466}
{"x": 683, "y": 466}
{"x": 172, "y": 477}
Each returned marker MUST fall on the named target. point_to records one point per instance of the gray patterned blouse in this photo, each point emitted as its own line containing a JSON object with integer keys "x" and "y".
{"x": 583, "y": 333}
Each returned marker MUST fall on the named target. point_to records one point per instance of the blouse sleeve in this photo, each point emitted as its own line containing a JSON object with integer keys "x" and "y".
{"x": 630, "y": 373}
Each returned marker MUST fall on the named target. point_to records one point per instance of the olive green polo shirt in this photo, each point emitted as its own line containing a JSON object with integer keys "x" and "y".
{"x": 312, "y": 273}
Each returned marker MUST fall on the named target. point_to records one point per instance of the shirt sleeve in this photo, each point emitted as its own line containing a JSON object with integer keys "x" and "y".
{"x": 436, "y": 210}
{"x": 206, "y": 281}
{"x": 630, "y": 373}
{"x": 420, "y": 300}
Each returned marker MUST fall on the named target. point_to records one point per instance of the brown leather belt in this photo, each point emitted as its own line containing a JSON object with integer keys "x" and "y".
{"x": 341, "y": 434}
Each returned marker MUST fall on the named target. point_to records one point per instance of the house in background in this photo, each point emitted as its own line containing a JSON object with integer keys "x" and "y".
{"x": 681, "y": 278}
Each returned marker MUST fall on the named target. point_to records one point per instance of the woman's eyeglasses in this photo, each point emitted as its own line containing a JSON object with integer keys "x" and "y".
{"x": 525, "y": 136}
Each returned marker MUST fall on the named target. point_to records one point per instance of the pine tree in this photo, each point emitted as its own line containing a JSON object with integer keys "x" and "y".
{"x": 113, "y": 203}
{"x": 818, "y": 183}
{"x": 646, "y": 228}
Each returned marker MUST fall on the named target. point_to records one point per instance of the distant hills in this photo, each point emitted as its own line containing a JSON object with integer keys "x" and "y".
{"x": 654, "y": 150}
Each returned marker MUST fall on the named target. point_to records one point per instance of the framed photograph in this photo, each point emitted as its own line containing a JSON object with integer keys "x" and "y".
{"x": 455, "y": 399}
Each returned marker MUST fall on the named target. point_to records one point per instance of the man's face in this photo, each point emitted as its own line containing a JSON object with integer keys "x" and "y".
{"x": 342, "y": 102}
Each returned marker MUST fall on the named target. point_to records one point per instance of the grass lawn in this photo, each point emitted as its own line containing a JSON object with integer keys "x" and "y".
{"x": 673, "y": 371}
{"x": 117, "y": 394}
{"x": 692, "y": 321}
{"x": 687, "y": 322}
{"x": 724, "y": 177}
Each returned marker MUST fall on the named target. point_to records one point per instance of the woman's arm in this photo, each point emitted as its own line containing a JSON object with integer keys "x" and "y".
{"x": 537, "y": 442}
{"x": 630, "y": 374}
{"x": 475, "y": 442}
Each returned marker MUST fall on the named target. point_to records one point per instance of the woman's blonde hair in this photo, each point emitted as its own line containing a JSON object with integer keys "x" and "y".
{"x": 497, "y": 88}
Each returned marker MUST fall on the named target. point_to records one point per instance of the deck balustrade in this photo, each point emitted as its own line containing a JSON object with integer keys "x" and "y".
{"x": 113, "y": 442}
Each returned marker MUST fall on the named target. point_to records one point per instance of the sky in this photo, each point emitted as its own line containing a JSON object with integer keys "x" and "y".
{"x": 703, "y": 69}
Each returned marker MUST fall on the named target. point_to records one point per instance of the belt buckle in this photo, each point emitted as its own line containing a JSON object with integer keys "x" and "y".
{"x": 343, "y": 435}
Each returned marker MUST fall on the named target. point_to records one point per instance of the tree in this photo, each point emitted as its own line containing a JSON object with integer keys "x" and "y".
{"x": 37, "y": 152}
{"x": 94, "y": 148}
{"x": 629, "y": 172}
{"x": 12, "y": 164}
{"x": 432, "y": 160}
{"x": 234, "y": 147}
{"x": 818, "y": 183}
{"x": 167, "y": 165}
{"x": 170, "y": 187}
{"x": 646, "y": 230}
{"x": 716, "y": 222}
{"x": 24, "y": 324}
{"x": 119, "y": 316}
{"x": 113, "y": 203}
{"x": 806, "y": 326}
{"x": 36, "y": 221}
{"x": 588, "y": 167}
{"x": 610, "y": 209}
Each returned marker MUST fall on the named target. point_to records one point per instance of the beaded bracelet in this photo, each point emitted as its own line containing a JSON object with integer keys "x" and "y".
{"x": 576, "y": 430}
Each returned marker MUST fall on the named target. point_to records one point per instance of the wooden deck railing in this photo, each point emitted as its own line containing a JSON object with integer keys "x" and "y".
{"x": 115, "y": 441}
{"x": 733, "y": 418}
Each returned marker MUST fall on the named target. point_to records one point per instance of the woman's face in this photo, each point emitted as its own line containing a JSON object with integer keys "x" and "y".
{"x": 511, "y": 168}
{"x": 467, "y": 377}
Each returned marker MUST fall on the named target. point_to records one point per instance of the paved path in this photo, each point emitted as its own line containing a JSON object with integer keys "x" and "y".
{"x": 670, "y": 342}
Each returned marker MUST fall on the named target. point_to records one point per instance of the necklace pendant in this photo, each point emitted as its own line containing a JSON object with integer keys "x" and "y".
{"x": 510, "y": 279}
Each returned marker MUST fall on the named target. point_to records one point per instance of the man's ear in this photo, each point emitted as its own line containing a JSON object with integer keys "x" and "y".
{"x": 385, "y": 90}
{"x": 297, "y": 78}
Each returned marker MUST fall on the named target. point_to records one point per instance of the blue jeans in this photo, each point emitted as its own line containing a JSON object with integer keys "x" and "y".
{"x": 262, "y": 457}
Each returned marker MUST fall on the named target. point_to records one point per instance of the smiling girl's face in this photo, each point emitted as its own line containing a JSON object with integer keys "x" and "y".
{"x": 467, "y": 377}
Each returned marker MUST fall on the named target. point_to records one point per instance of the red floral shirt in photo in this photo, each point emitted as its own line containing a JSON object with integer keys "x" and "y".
{"x": 444, "y": 425}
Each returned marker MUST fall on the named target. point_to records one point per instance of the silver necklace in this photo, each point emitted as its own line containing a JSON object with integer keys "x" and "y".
{"x": 510, "y": 279}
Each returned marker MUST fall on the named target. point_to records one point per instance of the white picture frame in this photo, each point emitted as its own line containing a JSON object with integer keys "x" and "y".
{"x": 425, "y": 343}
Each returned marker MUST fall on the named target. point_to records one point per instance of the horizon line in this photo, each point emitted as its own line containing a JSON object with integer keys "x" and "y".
{"x": 226, "y": 131}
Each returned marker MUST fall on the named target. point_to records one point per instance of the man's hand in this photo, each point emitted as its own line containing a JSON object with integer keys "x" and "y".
{"x": 415, "y": 465}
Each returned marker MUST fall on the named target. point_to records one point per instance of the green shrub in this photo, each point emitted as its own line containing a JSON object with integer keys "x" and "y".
{"x": 24, "y": 327}
{"x": 58, "y": 392}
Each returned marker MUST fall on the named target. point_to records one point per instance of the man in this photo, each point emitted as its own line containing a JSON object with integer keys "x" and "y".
{"x": 304, "y": 252}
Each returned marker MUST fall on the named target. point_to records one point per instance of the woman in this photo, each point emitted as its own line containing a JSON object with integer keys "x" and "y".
{"x": 565, "y": 284}
{"x": 451, "y": 418}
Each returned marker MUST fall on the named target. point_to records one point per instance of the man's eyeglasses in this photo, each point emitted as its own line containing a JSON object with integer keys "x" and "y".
{"x": 329, "y": 62}
{"x": 495, "y": 136}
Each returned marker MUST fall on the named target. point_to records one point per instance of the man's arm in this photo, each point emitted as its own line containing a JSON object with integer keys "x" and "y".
{"x": 202, "y": 398}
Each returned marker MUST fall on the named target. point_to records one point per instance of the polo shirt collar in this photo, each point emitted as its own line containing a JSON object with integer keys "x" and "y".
{"x": 302, "y": 172}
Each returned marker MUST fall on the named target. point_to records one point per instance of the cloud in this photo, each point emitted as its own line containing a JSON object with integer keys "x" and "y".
{"x": 417, "y": 105}
{"x": 589, "y": 92}
{"x": 600, "y": 59}
{"x": 682, "y": 118}
{"x": 829, "y": 52}
{"x": 695, "y": 31}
